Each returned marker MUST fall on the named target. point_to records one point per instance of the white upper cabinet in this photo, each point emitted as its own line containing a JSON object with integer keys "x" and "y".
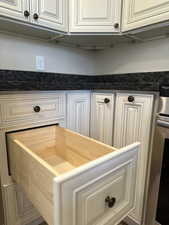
{"x": 50, "y": 13}
{"x": 15, "y": 9}
{"x": 94, "y": 16}
{"x": 87, "y": 16}
{"x": 78, "y": 112}
{"x": 139, "y": 13}
{"x": 133, "y": 117}
{"x": 66, "y": 15}
{"x": 102, "y": 107}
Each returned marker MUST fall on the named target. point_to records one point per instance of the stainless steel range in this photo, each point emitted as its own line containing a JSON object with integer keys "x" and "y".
{"x": 157, "y": 211}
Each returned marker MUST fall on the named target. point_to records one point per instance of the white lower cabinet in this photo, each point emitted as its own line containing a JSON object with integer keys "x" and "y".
{"x": 78, "y": 111}
{"x": 133, "y": 117}
{"x": 17, "y": 112}
{"x": 1, "y": 207}
{"x": 26, "y": 211}
{"x": 64, "y": 173}
{"x": 102, "y": 108}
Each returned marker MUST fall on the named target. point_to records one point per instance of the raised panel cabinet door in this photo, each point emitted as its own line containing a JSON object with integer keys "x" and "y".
{"x": 26, "y": 211}
{"x": 50, "y": 13}
{"x": 138, "y": 13}
{"x": 133, "y": 116}
{"x": 95, "y": 15}
{"x": 102, "y": 107}
{"x": 78, "y": 112}
{"x": 15, "y": 9}
{"x": 1, "y": 207}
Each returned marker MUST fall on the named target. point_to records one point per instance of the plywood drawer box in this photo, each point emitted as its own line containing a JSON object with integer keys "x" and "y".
{"x": 72, "y": 179}
{"x": 34, "y": 107}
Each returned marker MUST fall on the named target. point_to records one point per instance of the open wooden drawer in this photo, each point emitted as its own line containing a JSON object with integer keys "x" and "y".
{"x": 72, "y": 179}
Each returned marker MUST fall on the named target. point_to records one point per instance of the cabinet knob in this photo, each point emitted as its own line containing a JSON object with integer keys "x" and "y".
{"x": 116, "y": 25}
{"x": 35, "y": 16}
{"x": 36, "y": 109}
{"x": 131, "y": 99}
{"x": 26, "y": 13}
{"x": 106, "y": 100}
{"x": 110, "y": 201}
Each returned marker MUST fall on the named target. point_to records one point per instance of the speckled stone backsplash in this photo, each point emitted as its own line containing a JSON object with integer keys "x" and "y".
{"x": 24, "y": 80}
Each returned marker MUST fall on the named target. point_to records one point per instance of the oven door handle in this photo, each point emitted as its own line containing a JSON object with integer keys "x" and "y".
{"x": 162, "y": 123}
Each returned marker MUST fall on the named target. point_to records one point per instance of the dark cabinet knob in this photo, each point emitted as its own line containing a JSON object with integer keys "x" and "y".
{"x": 110, "y": 201}
{"x": 131, "y": 98}
{"x": 116, "y": 25}
{"x": 26, "y": 13}
{"x": 36, "y": 108}
{"x": 106, "y": 100}
{"x": 35, "y": 16}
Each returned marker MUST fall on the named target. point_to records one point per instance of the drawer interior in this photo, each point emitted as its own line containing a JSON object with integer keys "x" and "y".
{"x": 62, "y": 149}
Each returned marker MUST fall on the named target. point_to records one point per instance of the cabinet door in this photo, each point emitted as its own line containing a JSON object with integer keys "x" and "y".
{"x": 26, "y": 211}
{"x": 1, "y": 207}
{"x": 78, "y": 112}
{"x": 133, "y": 116}
{"x": 50, "y": 13}
{"x": 139, "y": 13}
{"x": 14, "y": 9}
{"x": 102, "y": 107}
{"x": 95, "y": 15}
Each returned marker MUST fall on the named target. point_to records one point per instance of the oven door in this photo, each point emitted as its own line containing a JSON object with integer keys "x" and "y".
{"x": 156, "y": 211}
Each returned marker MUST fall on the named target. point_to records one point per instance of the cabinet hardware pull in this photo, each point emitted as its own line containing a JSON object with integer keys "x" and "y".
{"x": 36, "y": 108}
{"x": 35, "y": 16}
{"x": 131, "y": 99}
{"x": 110, "y": 201}
{"x": 106, "y": 100}
{"x": 116, "y": 25}
{"x": 26, "y": 13}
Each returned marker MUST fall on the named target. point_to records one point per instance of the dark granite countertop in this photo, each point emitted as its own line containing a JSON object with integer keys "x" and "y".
{"x": 11, "y": 80}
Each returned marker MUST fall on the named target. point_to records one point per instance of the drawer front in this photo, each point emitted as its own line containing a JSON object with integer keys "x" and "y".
{"x": 100, "y": 200}
{"x": 101, "y": 195}
{"x": 33, "y": 107}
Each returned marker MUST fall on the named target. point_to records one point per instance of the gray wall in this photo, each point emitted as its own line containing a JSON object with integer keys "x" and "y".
{"x": 131, "y": 58}
{"x": 18, "y": 53}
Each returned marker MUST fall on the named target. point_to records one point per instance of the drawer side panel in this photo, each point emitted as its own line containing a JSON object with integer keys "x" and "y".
{"x": 34, "y": 177}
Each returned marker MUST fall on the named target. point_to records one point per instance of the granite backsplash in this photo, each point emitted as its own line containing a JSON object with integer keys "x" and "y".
{"x": 11, "y": 80}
